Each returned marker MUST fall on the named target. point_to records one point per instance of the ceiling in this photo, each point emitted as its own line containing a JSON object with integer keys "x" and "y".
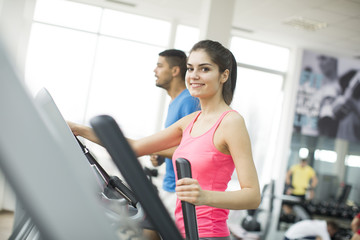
{"x": 265, "y": 20}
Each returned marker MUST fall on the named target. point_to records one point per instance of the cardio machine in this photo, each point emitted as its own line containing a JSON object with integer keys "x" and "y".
{"x": 109, "y": 133}
{"x": 60, "y": 204}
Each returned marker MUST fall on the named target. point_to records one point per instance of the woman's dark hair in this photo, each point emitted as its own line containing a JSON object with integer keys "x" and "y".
{"x": 224, "y": 58}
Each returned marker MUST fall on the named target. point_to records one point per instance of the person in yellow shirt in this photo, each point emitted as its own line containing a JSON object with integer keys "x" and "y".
{"x": 300, "y": 178}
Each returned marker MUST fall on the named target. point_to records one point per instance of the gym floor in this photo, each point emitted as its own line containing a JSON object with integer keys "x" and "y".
{"x": 7, "y": 220}
{"x": 6, "y": 224}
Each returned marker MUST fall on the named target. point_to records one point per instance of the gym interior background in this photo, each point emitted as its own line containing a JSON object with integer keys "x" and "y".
{"x": 97, "y": 57}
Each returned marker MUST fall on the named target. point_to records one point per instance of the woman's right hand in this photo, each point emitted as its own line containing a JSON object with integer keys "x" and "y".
{"x": 83, "y": 131}
{"x": 73, "y": 127}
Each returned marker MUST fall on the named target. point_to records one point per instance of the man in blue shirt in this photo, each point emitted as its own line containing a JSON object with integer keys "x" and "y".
{"x": 170, "y": 75}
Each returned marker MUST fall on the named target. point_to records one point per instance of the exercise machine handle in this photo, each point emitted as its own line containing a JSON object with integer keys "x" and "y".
{"x": 93, "y": 161}
{"x": 112, "y": 138}
{"x": 111, "y": 181}
{"x": 183, "y": 169}
{"x": 121, "y": 188}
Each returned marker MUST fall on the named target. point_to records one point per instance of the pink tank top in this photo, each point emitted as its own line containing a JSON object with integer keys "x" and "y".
{"x": 213, "y": 170}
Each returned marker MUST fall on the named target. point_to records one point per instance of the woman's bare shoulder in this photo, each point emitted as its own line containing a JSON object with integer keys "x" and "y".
{"x": 185, "y": 121}
{"x": 234, "y": 118}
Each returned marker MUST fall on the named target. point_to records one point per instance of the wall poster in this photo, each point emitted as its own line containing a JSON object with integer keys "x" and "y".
{"x": 328, "y": 97}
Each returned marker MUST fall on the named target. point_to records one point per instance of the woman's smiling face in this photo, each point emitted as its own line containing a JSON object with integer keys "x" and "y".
{"x": 203, "y": 78}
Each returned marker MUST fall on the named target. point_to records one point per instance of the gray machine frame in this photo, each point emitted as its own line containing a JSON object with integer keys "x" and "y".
{"x": 55, "y": 188}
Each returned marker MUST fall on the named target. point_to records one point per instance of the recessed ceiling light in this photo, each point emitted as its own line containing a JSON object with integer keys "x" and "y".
{"x": 126, "y": 3}
{"x": 305, "y": 24}
{"x": 242, "y": 29}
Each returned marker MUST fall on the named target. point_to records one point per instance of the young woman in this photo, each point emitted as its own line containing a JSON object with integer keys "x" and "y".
{"x": 215, "y": 141}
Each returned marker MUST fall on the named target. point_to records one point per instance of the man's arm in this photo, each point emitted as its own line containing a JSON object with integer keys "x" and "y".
{"x": 314, "y": 181}
{"x": 166, "y": 153}
{"x": 288, "y": 182}
{"x": 288, "y": 176}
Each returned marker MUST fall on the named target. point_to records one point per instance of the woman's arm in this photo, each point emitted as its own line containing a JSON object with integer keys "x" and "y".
{"x": 163, "y": 142}
{"x": 157, "y": 142}
{"x": 239, "y": 147}
{"x": 167, "y": 153}
{"x": 160, "y": 143}
{"x": 355, "y": 223}
{"x": 356, "y": 236}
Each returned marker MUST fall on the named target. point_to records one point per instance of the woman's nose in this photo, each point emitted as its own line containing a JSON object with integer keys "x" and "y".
{"x": 194, "y": 74}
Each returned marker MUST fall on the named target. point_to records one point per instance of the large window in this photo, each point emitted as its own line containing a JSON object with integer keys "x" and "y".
{"x": 102, "y": 63}
{"x": 191, "y": 36}
{"x": 61, "y": 60}
{"x": 258, "y": 96}
{"x": 98, "y": 64}
{"x": 260, "y": 54}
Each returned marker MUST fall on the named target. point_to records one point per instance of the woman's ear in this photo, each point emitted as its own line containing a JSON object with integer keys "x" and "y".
{"x": 225, "y": 76}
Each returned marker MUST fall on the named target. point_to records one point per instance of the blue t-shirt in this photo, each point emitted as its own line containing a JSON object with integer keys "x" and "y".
{"x": 182, "y": 105}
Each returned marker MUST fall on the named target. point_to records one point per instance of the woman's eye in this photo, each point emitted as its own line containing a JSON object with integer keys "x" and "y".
{"x": 205, "y": 69}
{"x": 189, "y": 69}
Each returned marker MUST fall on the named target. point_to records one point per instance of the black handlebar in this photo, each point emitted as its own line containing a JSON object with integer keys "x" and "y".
{"x": 183, "y": 168}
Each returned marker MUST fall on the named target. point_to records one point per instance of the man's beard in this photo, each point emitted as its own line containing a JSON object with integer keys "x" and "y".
{"x": 165, "y": 85}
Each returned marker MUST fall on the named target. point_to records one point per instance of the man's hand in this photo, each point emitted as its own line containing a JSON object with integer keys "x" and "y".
{"x": 154, "y": 161}
{"x": 311, "y": 194}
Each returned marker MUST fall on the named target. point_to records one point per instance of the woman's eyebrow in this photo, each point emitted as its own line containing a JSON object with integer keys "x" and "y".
{"x": 201, "y": 64}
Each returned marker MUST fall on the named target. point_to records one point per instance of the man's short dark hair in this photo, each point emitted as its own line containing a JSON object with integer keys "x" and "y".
{"x": 333, "y": 224}
{"x": 176, "y": 57}
{"x": 334, "y": 228}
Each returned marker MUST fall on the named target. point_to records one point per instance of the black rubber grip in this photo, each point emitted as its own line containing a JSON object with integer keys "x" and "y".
{"x": 183, "y": 169}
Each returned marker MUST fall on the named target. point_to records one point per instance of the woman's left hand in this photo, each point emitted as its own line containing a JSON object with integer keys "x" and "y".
{"x": 189, "y": 190}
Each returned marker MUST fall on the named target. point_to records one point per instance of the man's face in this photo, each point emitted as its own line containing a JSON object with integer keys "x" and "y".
{"x": 328, "y": 66}
{"x": 163, "y": 73}
{"x": 303, "y": 163}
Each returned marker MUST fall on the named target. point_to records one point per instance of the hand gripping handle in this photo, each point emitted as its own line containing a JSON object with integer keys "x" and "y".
{"x": 183, "y": 168}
